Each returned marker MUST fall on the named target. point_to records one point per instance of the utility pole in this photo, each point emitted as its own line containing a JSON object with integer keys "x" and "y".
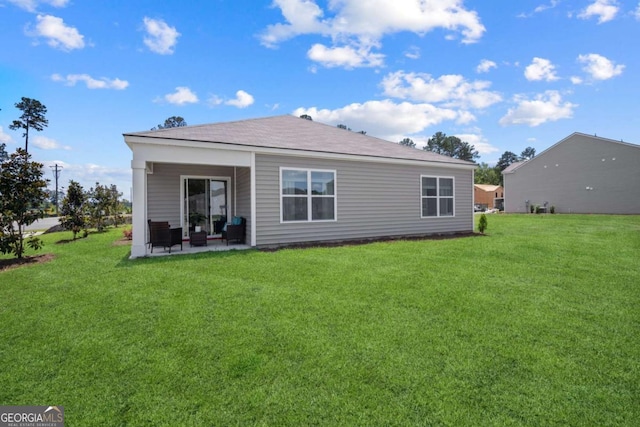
{"x": 56, "y": 173}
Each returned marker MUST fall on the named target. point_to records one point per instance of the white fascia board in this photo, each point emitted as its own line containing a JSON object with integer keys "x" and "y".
{"x": 190, "y": 155}
{"x": 361, "y": 158}
{"x": 218, "y": 147}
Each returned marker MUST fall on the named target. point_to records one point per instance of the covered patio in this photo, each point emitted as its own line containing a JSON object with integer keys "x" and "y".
{"x": 193, "y": 187}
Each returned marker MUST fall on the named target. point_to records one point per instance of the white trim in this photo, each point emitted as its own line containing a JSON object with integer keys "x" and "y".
{"x": 235, "y": 191}
{"x": 473, "y": 200}
{"x": 309, "y": 195}
{"x": 254, "y": 215}
{"x": 438, "y": 196}
{"x": 227, "y": 179}
{"x": 139, "y": 201}
{"x": 162, "y": 142}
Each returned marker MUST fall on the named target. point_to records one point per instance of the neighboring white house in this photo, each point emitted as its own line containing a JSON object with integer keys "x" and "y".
{"x": 580, "y": 174}
{"x": 295, "y": 181}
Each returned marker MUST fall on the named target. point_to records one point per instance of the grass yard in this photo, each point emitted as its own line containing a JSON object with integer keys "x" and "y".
{"x": 536, "y": 324}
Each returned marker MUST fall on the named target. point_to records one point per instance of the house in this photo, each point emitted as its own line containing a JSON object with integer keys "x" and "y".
{"x": 488, "y": 196}
{"x": 294, "y": 181}
{"x": 580, "y": 174}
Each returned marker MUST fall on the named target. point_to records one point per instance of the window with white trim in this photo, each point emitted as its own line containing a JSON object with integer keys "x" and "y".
{"x": 437, "y": 196}
{"x": 307, "y": 195}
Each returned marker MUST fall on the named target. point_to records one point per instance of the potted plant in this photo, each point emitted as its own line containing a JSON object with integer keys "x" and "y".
{"x": 195, "y": 218}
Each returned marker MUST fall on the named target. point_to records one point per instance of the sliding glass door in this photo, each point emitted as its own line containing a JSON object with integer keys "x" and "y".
{"x": 204, "y": 204}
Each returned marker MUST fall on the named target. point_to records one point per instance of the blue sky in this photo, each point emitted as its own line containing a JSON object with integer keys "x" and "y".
{"x": 501, "y": 75}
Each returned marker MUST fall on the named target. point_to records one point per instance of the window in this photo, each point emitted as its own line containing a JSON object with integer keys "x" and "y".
{"x": 437, "y": 196}
{"x": 307, "y": 195}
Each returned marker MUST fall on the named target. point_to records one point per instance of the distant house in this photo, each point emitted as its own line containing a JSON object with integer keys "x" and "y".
{"x": 294, "y": 181}
{"x": 580, "y": 174}
{"x": 488, "y": 196}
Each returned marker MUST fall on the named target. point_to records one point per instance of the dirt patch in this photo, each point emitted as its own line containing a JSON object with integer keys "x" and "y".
{"x": 7, "y": 264}
{"x": 122, "y": 242}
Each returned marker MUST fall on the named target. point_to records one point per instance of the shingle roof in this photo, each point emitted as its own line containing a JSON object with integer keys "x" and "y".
{"x": 294, "y": 133}
{"x": 513, "y": 166}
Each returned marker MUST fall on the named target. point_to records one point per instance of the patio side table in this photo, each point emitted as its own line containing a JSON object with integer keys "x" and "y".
{"x": 198, "y": 238}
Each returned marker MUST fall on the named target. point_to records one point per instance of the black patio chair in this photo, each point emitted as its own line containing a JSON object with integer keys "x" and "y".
{"x": 235, "y": 230}
{"x": 161, "y": 234}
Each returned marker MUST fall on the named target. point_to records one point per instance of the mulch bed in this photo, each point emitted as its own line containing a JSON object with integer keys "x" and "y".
{"x": 339, "y": 243}
{"x": 7, "y": 264}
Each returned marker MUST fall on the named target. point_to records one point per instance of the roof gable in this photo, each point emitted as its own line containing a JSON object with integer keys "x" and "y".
{"x": 575, "y": 137}
{"x": 293, "y": 133}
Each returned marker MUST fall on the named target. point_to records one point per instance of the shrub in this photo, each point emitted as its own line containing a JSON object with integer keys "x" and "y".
{"x": 537, "y": 209}
{"x": 552, "y": 209}
{"x": 482, "y": 223}
{"x": 532, "y": 208}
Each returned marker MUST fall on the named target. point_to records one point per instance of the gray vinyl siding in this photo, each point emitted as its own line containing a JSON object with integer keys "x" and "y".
{"x": 243, "y": 198}
{"x": 163, "y": 188}
{"x": 373, "y": 200}
{"x": 581, "y": 174}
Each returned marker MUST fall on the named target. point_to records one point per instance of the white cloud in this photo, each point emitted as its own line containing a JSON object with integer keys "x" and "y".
{"x": 479, "y": 142}
{"x": 160, "y": 38}
{"x": 605, "y": 10}
{"x": 183, "y": 95}
{"x": 302, "y": 16}
{"x": 540, "y": 69}
{"x": 90, "y": 82}
{"x": 636, "y": 12}
{"x": 599, "y": 67}
{"x": 361, "y": 25}
{"x": 4, "y": 138}
{"x": 44, "y": 143}
{"x": 539, "y": 9}
{"x": 58, "y": 35}
{"x": 576, "y": 80}
{"x": 413, "y": 52}
{"x": 545, "y": 107}
{"x": 88, "y": 174}
{"x": 242, "y": 100}
{"x": 214, "y": 100}
{"x": 544, "y": 7}
{"x": 345, "y": 56}
{"x": 32, "y": 5}
{"x": 485, "y": 66}
{"x": 451, "y": 90}
{"x": 383, "y": 119}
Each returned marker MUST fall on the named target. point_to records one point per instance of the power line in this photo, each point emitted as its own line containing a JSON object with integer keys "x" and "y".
{"x": 56, "y": 173}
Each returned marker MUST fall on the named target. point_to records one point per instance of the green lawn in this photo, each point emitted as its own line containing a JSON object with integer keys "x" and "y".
{"x": 537, "y": 323}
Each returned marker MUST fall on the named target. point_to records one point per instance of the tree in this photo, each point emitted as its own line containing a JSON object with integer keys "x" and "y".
{"x": 99, "y": 205}
{"x": 528, "y": 153}
{"x": 73, "y": 209}
{"x": 22, "y": 193}
{"x": 506, "y": 160}
{"x": 408, "y": 142}
{"x": 4, "y": 156}
{"x": 482, "y": 223}
{"x": 32, "y": 117}
{"x": 451, "y": 146}
{"x": 345, "y": 127}
{"x": 172, "y": 122}
{"x": 114, "y": 204}
{"x": 487, "y": 175}
{"x": 306, "y": 117}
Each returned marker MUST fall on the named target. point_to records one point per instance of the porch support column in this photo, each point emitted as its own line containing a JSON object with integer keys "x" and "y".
{"x": 254, "y": 232}
{"x": 138, "y": 245}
